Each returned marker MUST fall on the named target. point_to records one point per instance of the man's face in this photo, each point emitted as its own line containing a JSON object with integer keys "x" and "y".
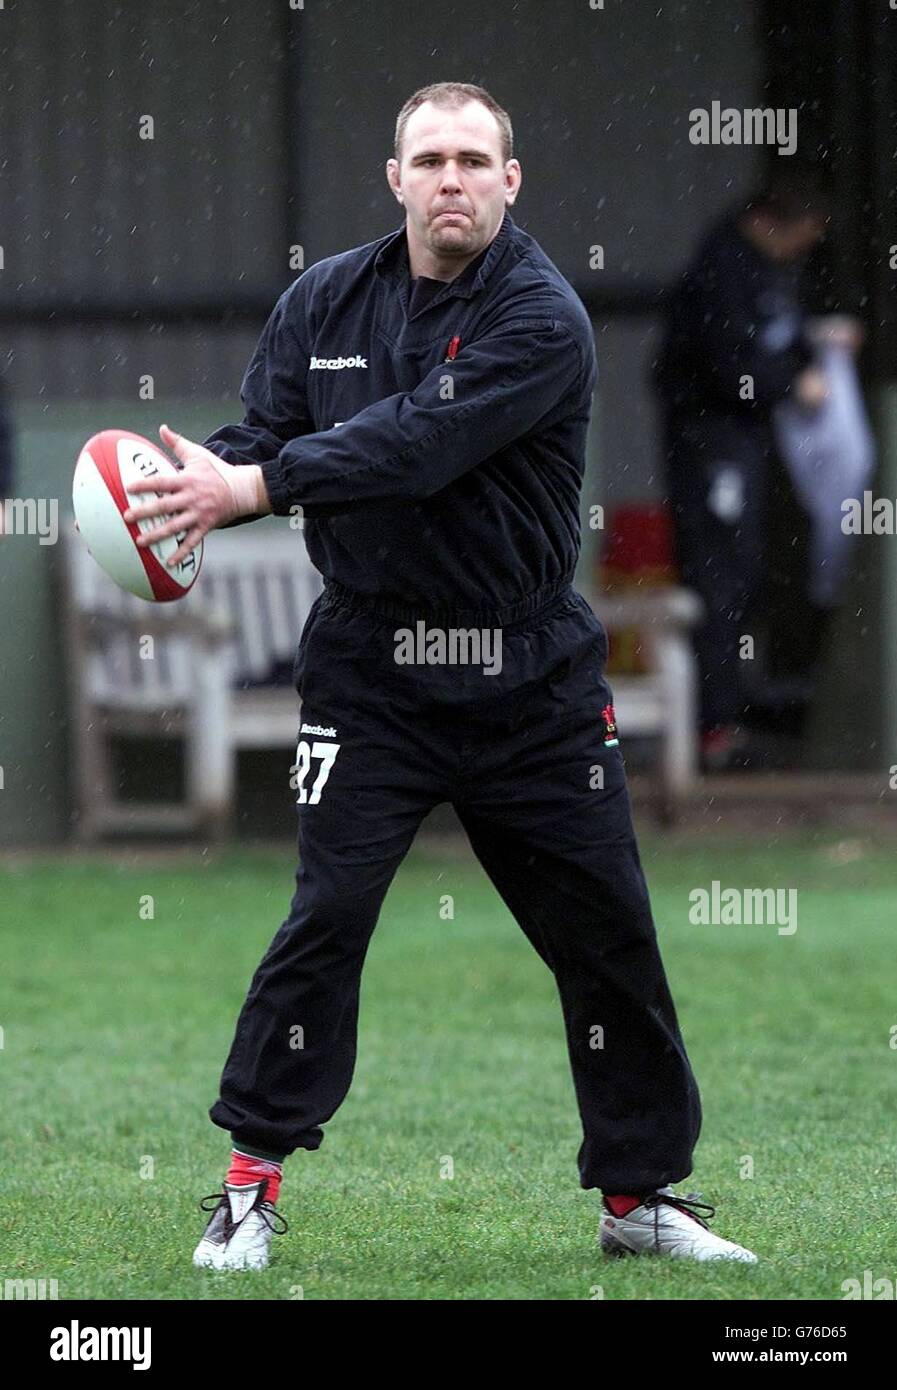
{"x": 452, "y": 180}
{"x": 798, "y": 238}
{"x": 793, "y": 240}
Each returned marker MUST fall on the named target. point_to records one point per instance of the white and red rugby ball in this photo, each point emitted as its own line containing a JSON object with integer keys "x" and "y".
{"x": 107, "y": 465}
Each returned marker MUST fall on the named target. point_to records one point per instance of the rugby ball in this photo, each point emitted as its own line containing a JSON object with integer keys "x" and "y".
{"x": 107, "y": 465}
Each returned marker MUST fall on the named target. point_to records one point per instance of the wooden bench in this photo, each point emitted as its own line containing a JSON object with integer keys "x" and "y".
{"x": 663, "y": 703}
{"x": 185, "y": 670}
{"x": 245, "y": 613}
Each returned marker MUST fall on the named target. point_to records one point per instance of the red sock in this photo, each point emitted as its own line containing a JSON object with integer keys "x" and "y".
{"x": 619, "y": 1206}
{"x": 245, "y": 1169}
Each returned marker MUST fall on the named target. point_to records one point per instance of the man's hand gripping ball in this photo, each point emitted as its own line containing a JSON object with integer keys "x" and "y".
{"x": 206, "y": 493}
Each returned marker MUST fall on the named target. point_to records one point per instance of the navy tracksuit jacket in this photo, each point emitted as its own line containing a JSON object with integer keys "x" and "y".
{"x": 434, "y": 437}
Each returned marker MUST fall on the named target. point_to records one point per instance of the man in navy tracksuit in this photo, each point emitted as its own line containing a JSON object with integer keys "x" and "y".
{"x": 424, "y": 400}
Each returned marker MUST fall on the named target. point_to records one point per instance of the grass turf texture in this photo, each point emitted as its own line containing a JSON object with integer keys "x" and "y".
{"x": 116, "y": 1029}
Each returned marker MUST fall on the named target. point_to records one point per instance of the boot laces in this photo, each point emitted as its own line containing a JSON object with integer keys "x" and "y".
{"x": 689, "y": 1203}
{"x": 266, "y": 1210}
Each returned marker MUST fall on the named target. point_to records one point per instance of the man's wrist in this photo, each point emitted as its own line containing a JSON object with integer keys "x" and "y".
{"x": 262, "y": 500}
{"x": 247, "y": 487}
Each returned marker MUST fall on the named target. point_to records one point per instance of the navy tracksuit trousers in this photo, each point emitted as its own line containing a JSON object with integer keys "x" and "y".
{"x": 527, "y": 760}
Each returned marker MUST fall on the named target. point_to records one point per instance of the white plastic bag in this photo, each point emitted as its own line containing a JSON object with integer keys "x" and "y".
{"x": 830, "y": 456}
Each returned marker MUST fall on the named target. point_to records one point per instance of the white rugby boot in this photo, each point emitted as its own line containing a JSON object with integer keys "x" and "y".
{"x": 238, "y": 1235}
{"x": 666, "y": 1224}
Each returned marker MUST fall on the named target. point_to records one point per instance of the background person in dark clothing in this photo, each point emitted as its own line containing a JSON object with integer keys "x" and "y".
{"x": 735, "y": 346}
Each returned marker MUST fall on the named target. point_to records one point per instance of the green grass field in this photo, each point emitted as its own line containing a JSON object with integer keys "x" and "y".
{"x": 115, "y": 1030}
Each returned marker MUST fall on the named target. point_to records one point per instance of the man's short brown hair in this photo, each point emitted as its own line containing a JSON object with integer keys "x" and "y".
{"x": 451, "y": 96}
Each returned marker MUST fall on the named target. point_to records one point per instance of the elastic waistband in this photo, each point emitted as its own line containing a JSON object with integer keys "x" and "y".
{"x": 511, "y": 615}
